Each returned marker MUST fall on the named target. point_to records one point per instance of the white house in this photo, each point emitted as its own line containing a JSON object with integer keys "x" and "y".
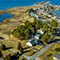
{"x": 37, "y": 36}
{"x": 40, "y": 31}
{"x": 32, "y": 42}
{"x": 56, "y": 56}
{"x": 32, "y": 14}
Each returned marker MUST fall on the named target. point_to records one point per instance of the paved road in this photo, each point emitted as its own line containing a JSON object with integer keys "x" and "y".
{"x": 37, "y": 54}
{"x": 40, "y": 52}
{"x": 16, "y": 52}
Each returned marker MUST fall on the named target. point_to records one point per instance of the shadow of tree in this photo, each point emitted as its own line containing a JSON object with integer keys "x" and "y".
{"x": 8, "y": 48}
{"x": 27, "y": 51}
{"x": 55, "y": 40}
{"x": 26, "y": 48}
{"x": 1, "y": 38}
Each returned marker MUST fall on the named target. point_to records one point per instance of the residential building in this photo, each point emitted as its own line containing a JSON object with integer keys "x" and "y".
{"x": 41, "y": 31}
{"x": 56, "y": 56}
{"x": 38, "y": 36}
{"x": 32, "y": 42}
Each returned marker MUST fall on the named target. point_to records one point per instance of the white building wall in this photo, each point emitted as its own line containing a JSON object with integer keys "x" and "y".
{"x": 28, "y": 43}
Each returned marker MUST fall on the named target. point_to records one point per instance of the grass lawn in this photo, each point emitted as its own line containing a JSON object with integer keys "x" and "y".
{"x": 7, "y": 52}
{"x": 48, "y": 55}
{"x": 58, "y": 24}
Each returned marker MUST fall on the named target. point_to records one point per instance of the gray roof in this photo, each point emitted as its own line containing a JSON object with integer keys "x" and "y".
{"x": 33, "y": 41}
{"x": 57, "y": 56}
{"x": 1, "y": 58}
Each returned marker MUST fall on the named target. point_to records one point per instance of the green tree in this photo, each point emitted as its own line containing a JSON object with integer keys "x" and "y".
{"x": 1, "y": 54}
{"x": 28, "y": 33}
{"x": 3, "y": 47}
{"x": 19, "y": 47}
{"x": 27, "y": 24}
{"x": 8, "y": 57}
{"x": 45, "y": 26}
{"x": 15, "y": 33}
{"x": 50, "y": 14}
{"x": 46, "y": 37}
{"x": 53, "y": 25}
{"x": 29, "y": 10}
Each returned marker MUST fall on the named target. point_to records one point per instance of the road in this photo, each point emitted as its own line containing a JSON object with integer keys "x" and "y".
{"x": 40, "y": 52}
{"x": 37, "y": 54}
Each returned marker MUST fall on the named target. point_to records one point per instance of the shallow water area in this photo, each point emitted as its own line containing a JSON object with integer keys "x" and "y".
{"x": 5, "y": 16}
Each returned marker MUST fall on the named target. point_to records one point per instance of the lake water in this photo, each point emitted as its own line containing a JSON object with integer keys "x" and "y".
{"x": 5, "y": 16}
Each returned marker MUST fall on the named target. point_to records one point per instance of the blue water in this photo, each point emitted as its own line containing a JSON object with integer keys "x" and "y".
{"x": 6, "y": 16}
{"x": 57, "y": 12}
{"x": 7, "y": 4}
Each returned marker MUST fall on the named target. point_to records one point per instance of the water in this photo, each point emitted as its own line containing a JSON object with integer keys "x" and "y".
{"x": 57, "y": 12}
{"x": 6, "y": 16}
{"x": 7, "y": 4}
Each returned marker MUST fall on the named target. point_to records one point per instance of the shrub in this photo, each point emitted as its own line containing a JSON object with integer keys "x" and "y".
{"x": 1, "y": 54}
{"x": 3, "y": 47}
{"x": 57, "y": 49}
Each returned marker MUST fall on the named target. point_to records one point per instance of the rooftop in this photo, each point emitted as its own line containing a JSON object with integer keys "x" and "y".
{"x": 57, "y": 56}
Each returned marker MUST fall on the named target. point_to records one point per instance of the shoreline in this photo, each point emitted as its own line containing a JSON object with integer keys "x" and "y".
{"x": 7, "y": 25}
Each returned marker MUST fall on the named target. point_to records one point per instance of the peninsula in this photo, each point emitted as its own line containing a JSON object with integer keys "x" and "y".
{"x": 31, "y": 33}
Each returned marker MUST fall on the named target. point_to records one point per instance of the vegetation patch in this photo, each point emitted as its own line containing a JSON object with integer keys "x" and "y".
{"x": 57, "y": 49}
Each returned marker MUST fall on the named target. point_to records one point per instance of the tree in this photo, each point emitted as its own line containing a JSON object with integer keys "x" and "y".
{"x": 1, "y": 54}
{"x": 27, "y": 24}
{"x": 28, "y": 33}
{"x": 19, "y": 47}
{"x": 8, "y": 57}
{"x": 46, "y": 16}
{"x": 53, "y": 25}
{"x": 46, "y": 37}
{"x": 29, "y": 10}
{"x": 3, "y": 47}
{"x": 45, "y": 26}
{"x": 15, "y": 33}
{"x": 50, "y": 14}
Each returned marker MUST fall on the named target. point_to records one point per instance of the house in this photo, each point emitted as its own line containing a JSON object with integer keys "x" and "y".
{"x": 37, "y": 36}
{"x": 32, "y": 14}
{"x": 39, "y": 8}
{"x": 41, "y": 31}
{"x": 44, "y": 9}
{"x": 32, "y": 42}
{"x": 32, "y": 29}
{"x": 55, "y": 17}
{"x": 56, "y": 56}
{"x": 1, "y": 58}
